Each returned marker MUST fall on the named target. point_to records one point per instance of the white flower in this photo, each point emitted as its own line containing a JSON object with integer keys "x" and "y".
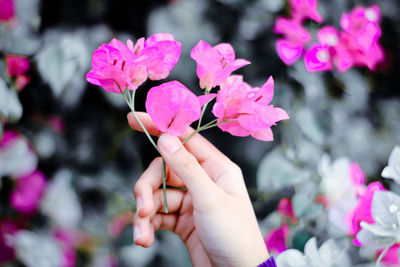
{"x": 392, "y": 171}
{"x": 330, "y": 254}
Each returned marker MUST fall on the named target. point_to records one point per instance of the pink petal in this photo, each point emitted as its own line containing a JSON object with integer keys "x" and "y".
{"x": 263, "y": 135}
{"x": 288, "y": 51}
{"x": 7, "y": 10}
{"x": 172, "y": 107}
{"x": 16, "y": 65}
{"x": 317, "y": 59}
{"x": 285, "y": 209}
{"x": 276, "y": 239}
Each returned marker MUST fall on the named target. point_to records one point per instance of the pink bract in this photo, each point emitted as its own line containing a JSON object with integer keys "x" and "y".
{"x": 130, "y": 65}
{"x": 276, "y": 239}
{"x": 172, "y": 107}
{"x": 246, "y": 111}
{"x": 16, "y": 65}
{"x": 7, "y": 10}
{"x": 362, "y": 212}
{"x": 318, "y": 58}
{"x": 290, "y": 47}
{"x": 285, "y": 209}
{"x": 215, "y": 64}
{"x": 357, "y": 178}
{"x": 118, "y": 224}
{"x": 305, "y": 9}
{"x": 391, "y": 257}
{"x": 28, "y": 192}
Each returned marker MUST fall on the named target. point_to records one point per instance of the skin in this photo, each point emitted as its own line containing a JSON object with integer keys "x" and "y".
{"x": 214, "y": 217}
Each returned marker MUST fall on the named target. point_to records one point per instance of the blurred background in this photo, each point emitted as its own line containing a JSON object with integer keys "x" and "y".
{"x": 69, "y": 161}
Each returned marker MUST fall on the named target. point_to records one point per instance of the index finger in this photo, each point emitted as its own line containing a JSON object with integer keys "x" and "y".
{"x": 198, "y": 146}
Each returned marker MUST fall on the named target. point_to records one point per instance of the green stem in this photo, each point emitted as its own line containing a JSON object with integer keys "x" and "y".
{"x": 204, "y": 109}
{"x": 131, "y": 104}
{"x": 378, "y": 262}
{"x": 164, "y": 187}
{"x": 205, "y": 127}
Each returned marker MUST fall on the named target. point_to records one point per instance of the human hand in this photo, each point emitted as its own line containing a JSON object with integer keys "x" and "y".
{"x": 214, "y": 217}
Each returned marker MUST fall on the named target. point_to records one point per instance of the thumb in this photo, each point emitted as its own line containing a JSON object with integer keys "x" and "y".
{"x": 187, "y": 168}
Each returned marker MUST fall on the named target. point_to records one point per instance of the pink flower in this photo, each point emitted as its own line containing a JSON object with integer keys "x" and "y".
{"x": 276, "y": 239}
{"x": 7, "y": 10}
{"x": 22, "y": 81}
{"x": 329, "y": 52}
{"x": 28, "y": 192}
{"x": 391, "y": 257}
{"x": 7, "y": 228}
{"x": 67, "y": 240}
{"x": 172, "y": 107}
{"x": 129, "y": 65}
{"x": 290, "y": 48}
{"x": 246, "y": 111}
{"x": 285, "y": 209}
{"x": 16, "y": 65}
{"x": 119, "y": 223}
{"x": 357, "y": 178}
{"x": 361, "y": 35}
{"x": 305, "y": 9}
{"x": 215, "y": 64}
{"x": 362, "y": 212}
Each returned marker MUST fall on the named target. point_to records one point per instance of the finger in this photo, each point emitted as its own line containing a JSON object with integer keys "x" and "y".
{"x": 200, "y": 147}
{"x": 143, "y": 226}
{"x": 148, "y": 183}
{"x": 187, "y": 168}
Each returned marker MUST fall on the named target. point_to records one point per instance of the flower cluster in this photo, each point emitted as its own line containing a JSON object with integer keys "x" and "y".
{"x": 357, "y": 44}
{"x": 17, "y": 66}
{"x": 240, "y": 109}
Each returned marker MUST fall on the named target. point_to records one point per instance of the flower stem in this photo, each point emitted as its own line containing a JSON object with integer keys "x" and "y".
{"x": 164, "y": 186}
{"x": 131, "y": 104}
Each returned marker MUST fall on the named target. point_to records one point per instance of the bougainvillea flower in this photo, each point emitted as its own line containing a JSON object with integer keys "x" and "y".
{"x": 391, "y": 257}
{"x": 215, "y": 64}
{"x": 7, "y": 228}
{"x": 305, "y": 9}
{"x": 7, "y": 10}
{"x": 172, "y": 107}
{"x": 28, "y": 192}
{"x": 357, "y": 178}
{"x": 318, "y": 58}
{"x": 361, "y": 35}
{"x": 16, "y": 65}
{"x": 114, "y": 63}
{"x": 362, "y": 212}
{"x": 328, "y": 53}
{"x": 246, "y": 111}
{"x": 290, "y": 47}
{"x": 285, "y": 209}
{"x": 67, "y": 240}
{"x": 162, "y": 53}
{"x": 276, "y": 239}
{"x": 130, "y": 65}
{"x": 22, "y": 81}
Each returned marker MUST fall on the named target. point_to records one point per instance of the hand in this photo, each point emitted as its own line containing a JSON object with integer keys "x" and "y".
{"x": 214, "y": 217}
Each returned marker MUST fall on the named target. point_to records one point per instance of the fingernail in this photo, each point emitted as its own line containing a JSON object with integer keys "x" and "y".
{"x": 169, "y": 144}
{"x": 136, "y": 233}
{"x": 139, "y": 204}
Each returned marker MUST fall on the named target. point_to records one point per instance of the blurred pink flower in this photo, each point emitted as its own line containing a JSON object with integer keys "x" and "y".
{"x": 28, "y": 192}
{"x": 246, "y": 111}
{"x": 21, "y": 81}
{"x": 391, "y": 257}
{"x": 362, "y": 212}
{"x": 285, "y": 209}
{"x": 16, "y": 65}
{"x": 305, "y": 9}
{"x": 129, "y": 65}
{"x": 276, "y": 239}
{"x": 329, "y": 52}
{"x": 7, "y": 10}
{"x": 118, "y": 224}
{"x": 9, "y": 136}
{"x": 172, "y": 107}
{"x": 361, "y": 35}
{"x": 290, "y": 47}
{"x": 215, "y": 64}
{"x": 7, "y": 228}
{"x": 357, "y": 178}
{"x": 67, "y": 240}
